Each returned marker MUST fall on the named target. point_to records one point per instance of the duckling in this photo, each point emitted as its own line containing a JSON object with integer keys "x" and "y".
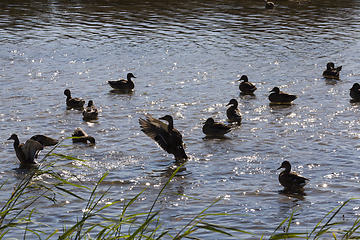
{"x": 123, "y": 84}
{"x": 269, "y": 5}
{"x": 355, "y": 92}
{"x": 73, "y": 102}
{"x": 291, "y": 180}
{"x": 212, "y": 128}
{"x": 90, "y": 112}
{"x": 245, "y": 86}
{"x": 26, "y": 152}
{"x": 233, "y": 112}
{"x": 81, "y": 136}
{"x": 165, "y": 135}
{"x": 45, "y": 140}
{"x": 277, "y": 97}
{"x": 331, "y": 71}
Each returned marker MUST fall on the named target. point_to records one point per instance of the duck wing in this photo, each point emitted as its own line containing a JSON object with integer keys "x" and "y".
{"x": 119, "y": 84}
{"x": 292, "y": 180}
{"x": 31, "y": 149}
{"x": 334, "y": 72}
{"x": 75, "y": 102}
{"x": 216, "y": 129}
{"x": 156, "y": 130}
{"x": 44, "y": 140}
{"x": 282, "y": 97}
{"x": 288, "y": 97}
{"x": 247, "y": 87}
{"x": 234, "y": 114}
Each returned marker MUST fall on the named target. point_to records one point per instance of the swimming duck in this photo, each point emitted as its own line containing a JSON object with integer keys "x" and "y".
{"x": 44, "y": 140}
{"x": 291, "y": 180}
{"x": 212, "y": 128}
{"x": 90, "y": 112}
{"x": 245, "y": 86}
{"x": 26, "y": 152}
{"x": 277, "y": 97}
{"x": 233, "y": 112}
{"x": 331, "y": 71}
{"x": 269, "y": 5}
{"x": 355, "y": 92}
{"x": 123, "y": 84}
{"x": 165, "y": 135}
{"x": 81, "y": 136}
{"x": 73, "y": 102}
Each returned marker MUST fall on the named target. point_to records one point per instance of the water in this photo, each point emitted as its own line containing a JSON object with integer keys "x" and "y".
{"x": 187, "y": 57}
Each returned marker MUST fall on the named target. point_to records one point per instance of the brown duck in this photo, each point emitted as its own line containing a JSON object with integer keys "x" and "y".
{"x": 233, "y": 112}
{"x": 355, "y": 92}
{"x": 245, "y": 86}
{"x": 123, "y": 84}
{"x": 90, "y": 112}
{"x": 278, "y": 97}
{"x": 331, "y": 71}
{"x": 165, "y": 135}
{"x": 81, "y": 136}
{"x": 28, "y": 151}
{"x": 215, "y": 129}
{"x": 291, "y": 180}
{"x": 73, "y": 102}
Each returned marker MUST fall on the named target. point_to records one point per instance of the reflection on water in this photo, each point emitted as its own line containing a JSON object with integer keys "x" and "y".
{"x": 187, "y": 56}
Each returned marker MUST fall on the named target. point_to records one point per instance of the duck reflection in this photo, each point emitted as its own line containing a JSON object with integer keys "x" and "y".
{"x": 279, "y": 107}
{"x": 168, "y": 171}
{"x": 298, "y": 194}
{"x": 331, "y": 81}
{"x": 122, "y": 91}
{"x": 247, "y": 96}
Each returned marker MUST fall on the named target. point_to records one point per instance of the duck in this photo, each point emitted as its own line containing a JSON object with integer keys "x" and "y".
{"x": 215, "y": 129}
{"x": 331, "y": 71}
{"x": 123, "y": 84}
{"x": 291, "y": 180}
{"x": 90, "y": 112}
{"x": 165, "y": 135}
{"x": 73, "y": 102}
{"x": 355, "y": 92}
{"x": 269, "y": 5}
{"x": 26, "y": 152}
{"x": 245, "y": 86}
{"x": 233, "y": 112}
{"x": 81, "y": 136}
{"x": 278, "y": 97}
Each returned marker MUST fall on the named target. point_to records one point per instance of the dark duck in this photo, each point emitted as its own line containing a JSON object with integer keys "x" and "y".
{"x": 165, "y": 135}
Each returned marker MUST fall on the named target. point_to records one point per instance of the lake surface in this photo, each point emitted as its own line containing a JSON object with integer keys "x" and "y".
{"x": 187, "y": 57}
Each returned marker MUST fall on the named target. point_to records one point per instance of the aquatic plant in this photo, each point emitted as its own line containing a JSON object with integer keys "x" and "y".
{"x": 20, "y": 210}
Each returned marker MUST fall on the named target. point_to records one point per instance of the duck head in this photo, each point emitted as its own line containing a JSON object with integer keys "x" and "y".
{"x": 13, "y": 137}
{"x": 90, "y": 103}
{"x": 355, "y": 86}
{"x": 244, "y": 78}
{"x": 130, "y": 75}
{"x": 67, "y": 93}
{"x": 210, "y": 121}
{"x": 167, "y": 118}
{"x": 233, "y": 102}
{"x": 286, "y": 165}
{"x": 275, "y": 90}
{"x": 330, "y": 65}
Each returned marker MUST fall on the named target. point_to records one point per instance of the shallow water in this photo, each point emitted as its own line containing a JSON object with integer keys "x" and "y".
{"x": 187, "y": 57}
